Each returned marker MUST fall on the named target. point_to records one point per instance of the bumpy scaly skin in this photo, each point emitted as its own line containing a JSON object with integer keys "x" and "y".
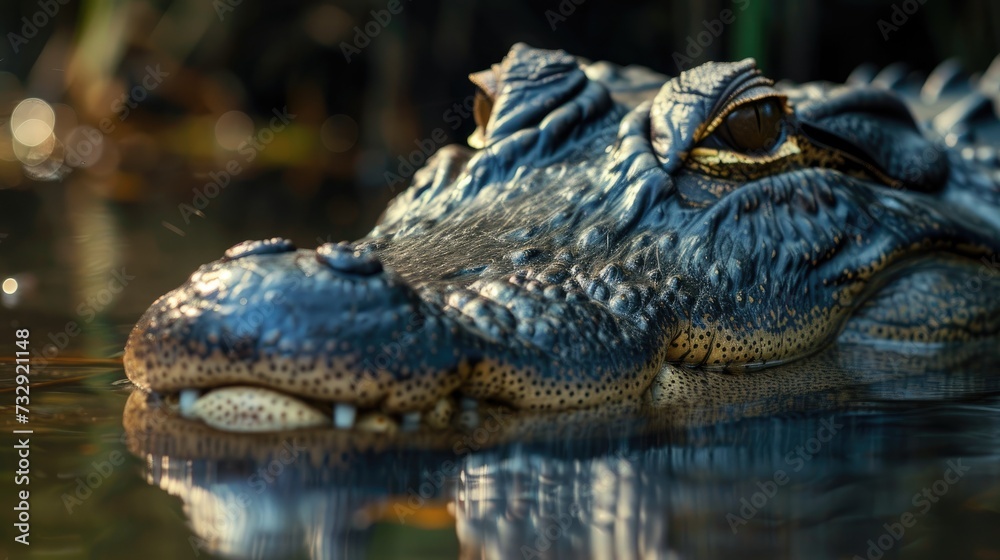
{"x": 603, "y": 233}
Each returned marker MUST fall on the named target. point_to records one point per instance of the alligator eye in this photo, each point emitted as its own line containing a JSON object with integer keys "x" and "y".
{"x": 754, "y": 127}
{"x": 482, "y": 109}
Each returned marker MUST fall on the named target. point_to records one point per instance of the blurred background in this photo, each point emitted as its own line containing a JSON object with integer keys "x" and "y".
{"x": 142, "y": 138}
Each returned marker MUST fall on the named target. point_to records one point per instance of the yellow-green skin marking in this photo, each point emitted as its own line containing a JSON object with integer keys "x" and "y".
{"x": 606, "y": 223}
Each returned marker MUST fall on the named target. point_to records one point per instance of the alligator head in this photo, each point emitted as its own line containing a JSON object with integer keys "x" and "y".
{"x": 607, "y": 224}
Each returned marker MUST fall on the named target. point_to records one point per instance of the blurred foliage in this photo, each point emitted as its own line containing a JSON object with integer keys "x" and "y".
{"x": 252, "y": 57}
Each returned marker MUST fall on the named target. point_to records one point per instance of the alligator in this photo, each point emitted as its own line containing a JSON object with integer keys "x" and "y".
{"x": 608, "y": 234}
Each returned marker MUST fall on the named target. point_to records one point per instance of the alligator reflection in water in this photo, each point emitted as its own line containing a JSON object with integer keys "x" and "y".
{"x": 795, "y": 470}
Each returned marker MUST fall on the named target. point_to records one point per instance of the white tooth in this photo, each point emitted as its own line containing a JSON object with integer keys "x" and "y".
{"x": 187, "y": 400}
{"x": 343, "y": 415}
{"x": 411, "y": 421}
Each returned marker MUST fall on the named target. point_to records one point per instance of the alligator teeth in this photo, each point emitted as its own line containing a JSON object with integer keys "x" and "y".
{"x": 187, "y": 399}
{"x": 344, "y": 415}
{"x": 410, "y": 421}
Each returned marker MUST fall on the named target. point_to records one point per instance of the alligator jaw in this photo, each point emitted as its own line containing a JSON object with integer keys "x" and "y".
{"x": 245, "y": 408}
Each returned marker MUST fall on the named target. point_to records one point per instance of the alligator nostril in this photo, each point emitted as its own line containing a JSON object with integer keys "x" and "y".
{"x": 343, "y": 258}
{"x": 271, "y": 246}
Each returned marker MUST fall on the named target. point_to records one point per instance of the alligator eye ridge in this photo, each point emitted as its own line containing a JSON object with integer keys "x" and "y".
{"x": 753, "y": 128}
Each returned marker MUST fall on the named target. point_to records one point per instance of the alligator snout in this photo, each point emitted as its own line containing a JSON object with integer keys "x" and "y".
{"x": 278, "y": 337}
{"x": 331, "y": 326}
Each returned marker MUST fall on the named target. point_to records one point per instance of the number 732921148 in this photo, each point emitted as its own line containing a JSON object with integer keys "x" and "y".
{"x": 22, "y": 369}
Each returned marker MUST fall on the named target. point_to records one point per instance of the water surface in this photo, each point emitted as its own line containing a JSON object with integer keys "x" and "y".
{"x": 904, "y": 467}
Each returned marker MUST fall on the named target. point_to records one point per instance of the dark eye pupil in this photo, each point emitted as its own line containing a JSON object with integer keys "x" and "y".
{"x": 754, "y": 127}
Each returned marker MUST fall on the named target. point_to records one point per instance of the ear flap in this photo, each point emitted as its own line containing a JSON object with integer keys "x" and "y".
{"x": 487, "y": 83}
{"x": 522, "y": 90}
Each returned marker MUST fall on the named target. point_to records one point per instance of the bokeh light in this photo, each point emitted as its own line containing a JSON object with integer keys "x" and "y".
{"x": 33, "y": 109}
{"x": 32, "y": 124}
{"x": 15, "y": 289}
{"x": 10, "y": 286}
{"x": 232, "y": 129}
